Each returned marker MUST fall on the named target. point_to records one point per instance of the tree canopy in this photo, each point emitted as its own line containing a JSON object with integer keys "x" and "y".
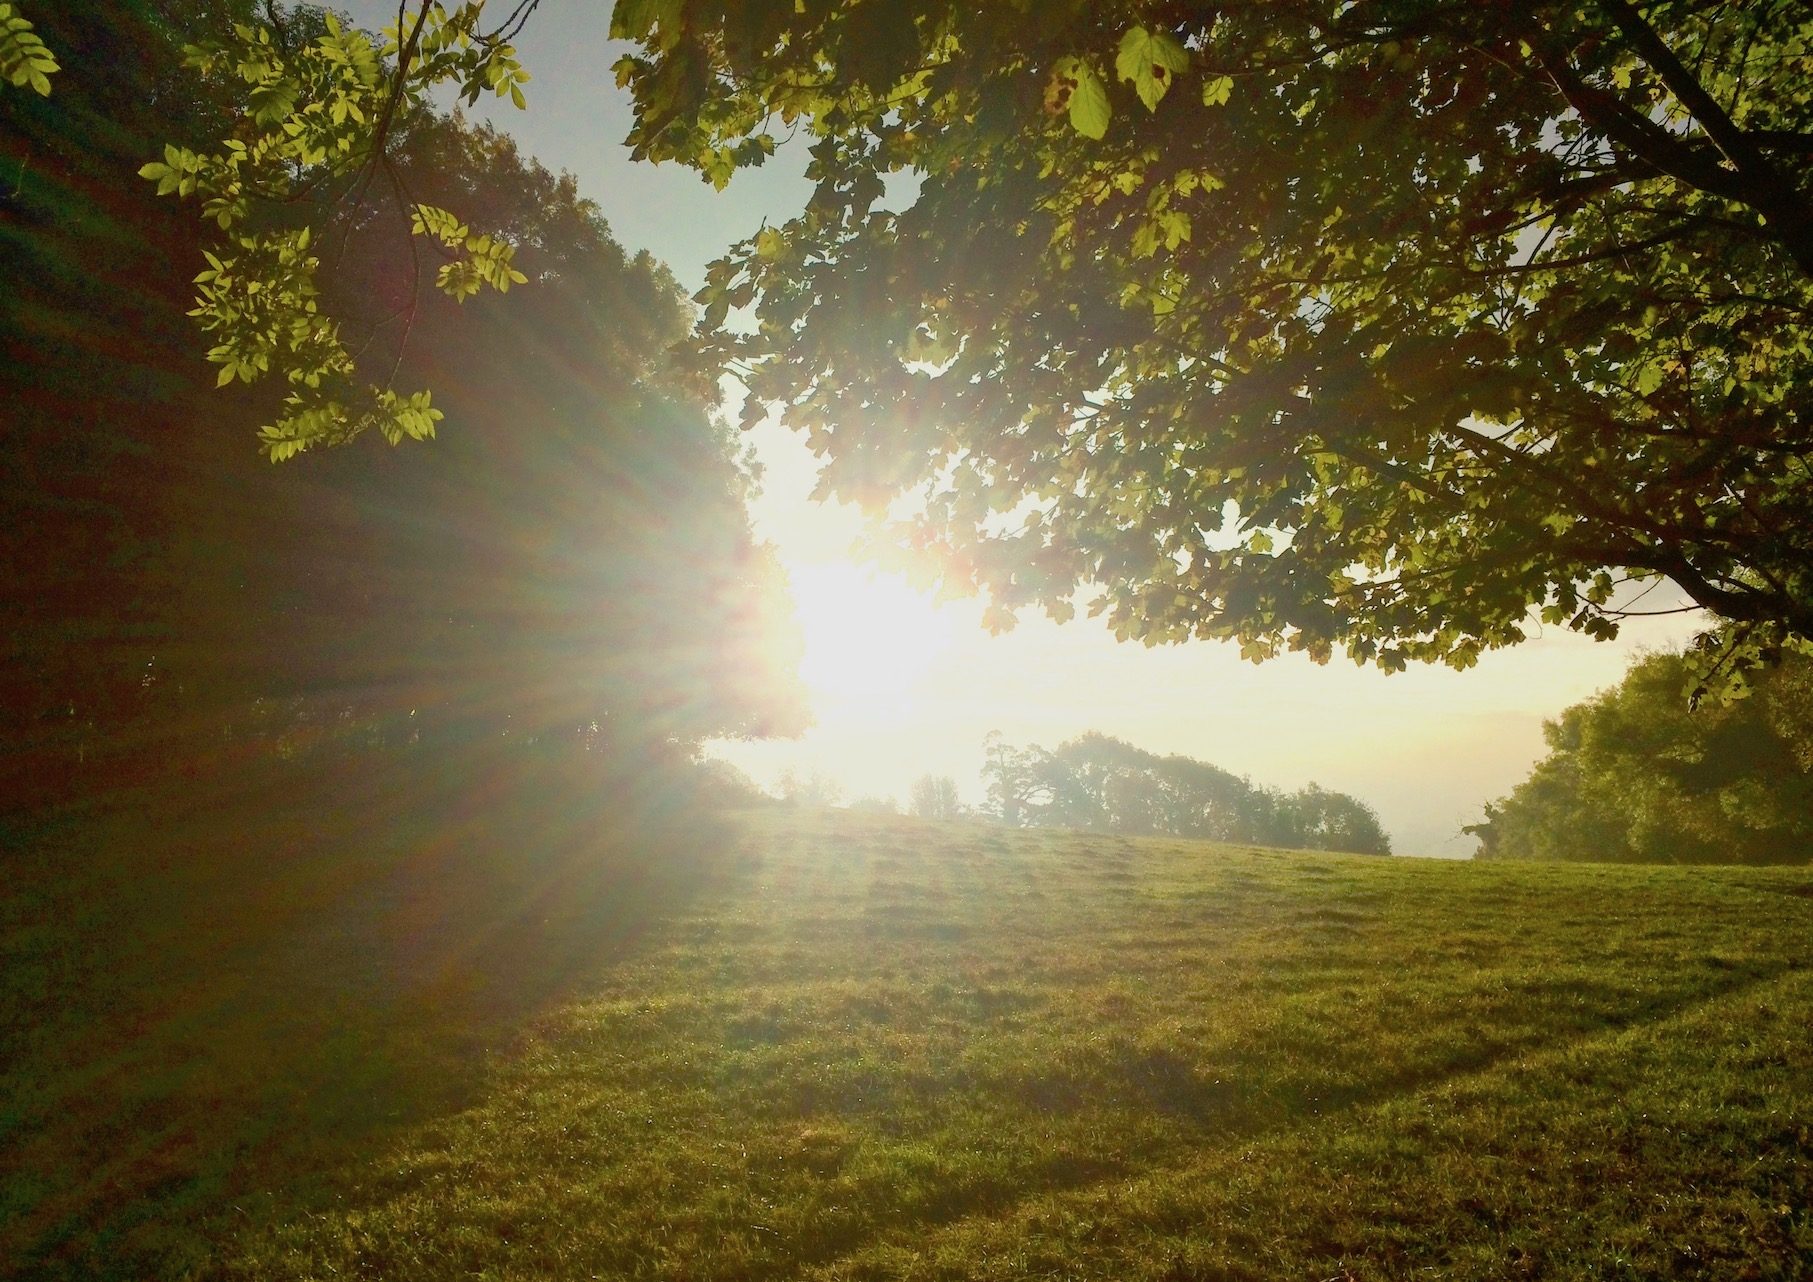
{"x": 1389, "y": 327}
{"x": 1632, "y": 777}
{"x": 1309, "y": 324}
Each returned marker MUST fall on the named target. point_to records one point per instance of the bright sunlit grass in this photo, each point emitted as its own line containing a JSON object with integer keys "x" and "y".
{"x": 824, "y": 1046}
{"x": 870, "y": 640}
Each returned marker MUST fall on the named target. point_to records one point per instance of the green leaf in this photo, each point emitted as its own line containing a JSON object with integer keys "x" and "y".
{"x": 1089, "y": 109}
{"x": 635, "y": 19}
{"x": 1151, "y": 60}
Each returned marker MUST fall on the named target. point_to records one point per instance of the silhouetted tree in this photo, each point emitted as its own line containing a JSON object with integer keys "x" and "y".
{"x": 1098, "y": 782}
{"x": 935, "y": 797}
{"x": 814, "y": 789}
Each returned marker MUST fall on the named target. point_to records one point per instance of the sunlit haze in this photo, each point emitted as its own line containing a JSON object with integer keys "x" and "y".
{"x": 901, "y": 687}
{"x": 871, "y": 641}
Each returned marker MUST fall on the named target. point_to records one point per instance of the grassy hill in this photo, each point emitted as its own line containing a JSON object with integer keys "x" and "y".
{"x": 828, "y": 1046}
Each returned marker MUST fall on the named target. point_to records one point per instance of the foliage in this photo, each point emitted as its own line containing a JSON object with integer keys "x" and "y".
{"x": 1397, "y": 327}
{"x": 573, "y": 572}
{"x": 570, "y": 579}
{"x": 24, "y": 59}
{"x": 105, "y": 425}
{"x": 318, "y": 117}
{"x": 935, "y": 797}
{"x": 1312, "y": 325}
{"x": 828, "y": 1046}
{"x": 1101, "y": 784}
{"x": 815, "y": 789}
{"x": 1632, "y": 775}
{"x": 721, "y": 786}
{"x": 1386, "y": 328}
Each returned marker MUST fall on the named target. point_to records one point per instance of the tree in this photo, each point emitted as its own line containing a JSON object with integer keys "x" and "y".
{"x": 1632, "y": 776}
{"x": 935, "y": 797}
{"x": 572, "y": 572}
{"x": 1308, "y": 324}
{"x": 103, "y": 424}
{"x": 1101, "y": 783}
{"x": 323, "y": 110}
{"x": 1335, "y": 821}
{"x": 815, "y": 789}
{"x": 576, "y": 563}
{"x": 1029, "y": 787}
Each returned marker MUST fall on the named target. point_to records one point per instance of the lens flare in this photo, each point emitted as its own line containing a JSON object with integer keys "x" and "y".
{"x": 871, "y": 640}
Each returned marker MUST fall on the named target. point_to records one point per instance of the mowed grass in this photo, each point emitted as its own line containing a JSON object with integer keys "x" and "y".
{"x": 845, "y": 1047}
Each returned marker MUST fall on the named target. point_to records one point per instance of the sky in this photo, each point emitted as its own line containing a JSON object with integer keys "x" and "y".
{"x": 904, "y": 687}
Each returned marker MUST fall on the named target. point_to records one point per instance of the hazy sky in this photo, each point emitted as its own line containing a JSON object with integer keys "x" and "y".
{"x": 905, "y": 688}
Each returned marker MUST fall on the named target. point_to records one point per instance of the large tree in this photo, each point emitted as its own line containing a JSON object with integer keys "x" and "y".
{"x": 1309, "y": 324}
{"x": 574, "y": 563}
{"x": 1631, "y": 776}
{"x": 573, "y": 567}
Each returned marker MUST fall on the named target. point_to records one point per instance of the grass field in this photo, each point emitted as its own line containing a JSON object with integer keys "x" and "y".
{"x": 805, "y": 1045}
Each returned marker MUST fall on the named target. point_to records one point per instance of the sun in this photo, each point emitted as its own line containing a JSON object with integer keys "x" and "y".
{"x": 871, "y": 640}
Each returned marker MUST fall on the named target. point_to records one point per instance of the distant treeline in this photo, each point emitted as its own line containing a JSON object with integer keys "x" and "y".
{"x": 1634, "y": 775}
{"x": 1102, "y": 784}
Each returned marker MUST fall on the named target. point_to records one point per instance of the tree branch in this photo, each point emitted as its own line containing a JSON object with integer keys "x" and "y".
{"x": 1751, "y": 181}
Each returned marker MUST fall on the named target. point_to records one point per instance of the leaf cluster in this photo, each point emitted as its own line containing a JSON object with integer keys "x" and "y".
{"x": 24, "y": 59}
{"x": 318, "y": 118}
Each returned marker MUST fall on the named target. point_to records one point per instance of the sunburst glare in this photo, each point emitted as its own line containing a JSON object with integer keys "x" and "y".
{"x": 870, "y": 639}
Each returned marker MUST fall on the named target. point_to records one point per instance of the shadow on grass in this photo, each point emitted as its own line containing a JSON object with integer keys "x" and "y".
{"x": 219, "y": 989}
